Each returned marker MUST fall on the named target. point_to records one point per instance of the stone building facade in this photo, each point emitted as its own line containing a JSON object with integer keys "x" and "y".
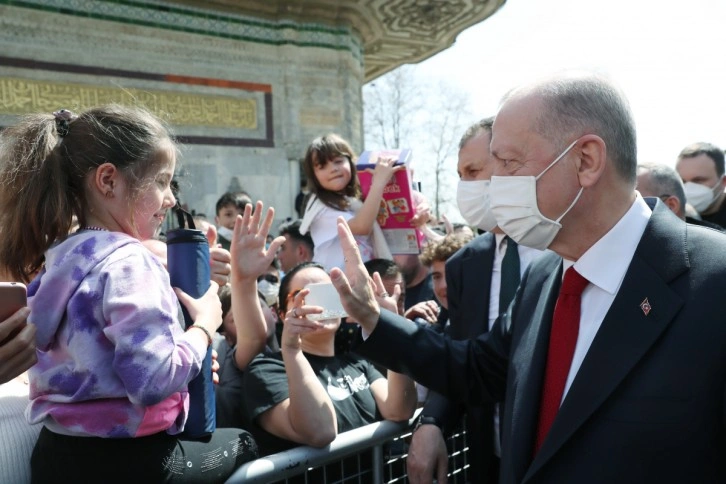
{"x": 245, "y": 85}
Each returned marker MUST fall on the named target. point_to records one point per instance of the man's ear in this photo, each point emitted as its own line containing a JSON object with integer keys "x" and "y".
{"x": 723, "y": 181}
{"x": 105, "y": 179}
{"x": 674, "y": 204}
{"x": 592, "y": 160}
{"x": 300, "y": 250}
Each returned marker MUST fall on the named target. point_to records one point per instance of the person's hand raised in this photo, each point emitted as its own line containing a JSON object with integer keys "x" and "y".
{"x": 422, "y": 211}
{"x": 250, "y": 257}
{"x": 384, "y": 170}
{"x": 355, "y": 287}
{"x": 385, "y": 300}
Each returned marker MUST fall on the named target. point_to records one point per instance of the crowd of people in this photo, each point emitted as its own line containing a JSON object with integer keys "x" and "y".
{"x": 573, "y": 323}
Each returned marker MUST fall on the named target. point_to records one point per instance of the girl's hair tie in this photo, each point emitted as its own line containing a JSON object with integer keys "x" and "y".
{"x": 63, "y": 119}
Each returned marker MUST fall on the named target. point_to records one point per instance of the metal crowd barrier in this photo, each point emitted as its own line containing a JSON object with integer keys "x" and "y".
{"x": 374, "y": 454}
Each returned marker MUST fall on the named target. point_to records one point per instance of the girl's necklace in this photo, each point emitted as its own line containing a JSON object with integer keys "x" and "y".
{"x": 90, "y": 227}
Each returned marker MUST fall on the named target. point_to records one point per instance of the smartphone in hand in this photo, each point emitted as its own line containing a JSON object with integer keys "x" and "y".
{"x": 323, "y": 294}
{"x": 13, "y": 296}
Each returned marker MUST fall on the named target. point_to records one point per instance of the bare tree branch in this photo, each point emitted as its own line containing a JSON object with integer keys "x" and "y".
{"x": 391, "y": 104}
{"x": 403, "y": 110}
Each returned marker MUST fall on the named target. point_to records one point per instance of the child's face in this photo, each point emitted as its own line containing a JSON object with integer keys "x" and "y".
{"x": 152, "y": 204}
{"x": 229, "y": 329}
{"x": 438, "y": 271}
{"x": 334, "y": 175}
{"x": 226, "y": 216}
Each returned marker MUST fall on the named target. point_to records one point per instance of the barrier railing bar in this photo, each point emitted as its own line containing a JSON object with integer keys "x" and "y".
{"x": 378, "y": 464}
{"x": 297, "y": 460}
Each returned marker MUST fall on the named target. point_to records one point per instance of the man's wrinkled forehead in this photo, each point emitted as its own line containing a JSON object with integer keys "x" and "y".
{"x": 514, "y": 123}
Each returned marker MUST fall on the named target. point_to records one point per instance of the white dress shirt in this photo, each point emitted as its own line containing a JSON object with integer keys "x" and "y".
{"x": 604, "y": 265}
{"x": 526, "y": 256}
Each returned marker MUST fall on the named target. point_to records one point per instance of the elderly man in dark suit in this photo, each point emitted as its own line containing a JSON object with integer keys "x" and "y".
{"x": 613, "y": 355}
{"x": 481, "y": 281}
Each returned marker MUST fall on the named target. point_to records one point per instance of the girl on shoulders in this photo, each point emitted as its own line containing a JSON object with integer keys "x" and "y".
{"x": 335, "y": 191}
{"x": 110, "y": 384}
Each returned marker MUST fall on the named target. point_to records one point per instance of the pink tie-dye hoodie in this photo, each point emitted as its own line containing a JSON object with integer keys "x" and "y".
{"x": 113, "y": 360}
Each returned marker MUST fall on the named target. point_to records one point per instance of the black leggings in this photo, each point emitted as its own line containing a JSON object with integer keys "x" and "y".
{"x": 156, "y": 458}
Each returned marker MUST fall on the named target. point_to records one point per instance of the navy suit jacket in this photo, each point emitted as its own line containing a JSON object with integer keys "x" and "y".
{"x": 648, "y": 403}
{"x": 468, "y": 281}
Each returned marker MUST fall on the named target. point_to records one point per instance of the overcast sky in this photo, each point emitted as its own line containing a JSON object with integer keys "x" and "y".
{"x": 668, "y": 57}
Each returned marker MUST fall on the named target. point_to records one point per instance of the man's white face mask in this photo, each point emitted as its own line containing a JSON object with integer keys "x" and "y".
{"x": 225, "y": 232}
{"x": 269, "y": 291}
{"x": 514, "y": 205}
{"x": 474, "y": 202}
{"x": 701, "y": 196}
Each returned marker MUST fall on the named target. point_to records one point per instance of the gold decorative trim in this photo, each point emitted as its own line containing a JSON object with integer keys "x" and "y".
{"x": 392, "y": 32}
{"x": 24, "y": 96}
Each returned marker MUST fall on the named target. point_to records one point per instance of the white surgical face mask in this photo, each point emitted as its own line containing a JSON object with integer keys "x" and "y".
{"x": 225, "y": 232}
{"x": 269, "y": 291}
{"x": 474, "y": 203}
{"x": 514, "y": 204}
{"x": 700, "y": 196}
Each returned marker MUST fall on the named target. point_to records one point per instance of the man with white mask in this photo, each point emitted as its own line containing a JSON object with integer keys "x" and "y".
{"x": 664, "y": 182}
{"x": 701, "y": 167}
{"x": 481, "y": 280}
{"x": 611, "y": 358}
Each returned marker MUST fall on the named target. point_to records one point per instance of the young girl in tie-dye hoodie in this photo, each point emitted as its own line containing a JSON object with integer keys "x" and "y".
{"x": 110, "y": 385}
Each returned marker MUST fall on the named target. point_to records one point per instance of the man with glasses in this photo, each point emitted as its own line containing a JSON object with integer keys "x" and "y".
{"x": 268, "y": 284}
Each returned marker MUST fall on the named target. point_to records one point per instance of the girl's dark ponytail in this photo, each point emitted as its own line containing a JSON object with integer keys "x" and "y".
{"x": 35, "y": 208}
{"x": 44, "y": 162}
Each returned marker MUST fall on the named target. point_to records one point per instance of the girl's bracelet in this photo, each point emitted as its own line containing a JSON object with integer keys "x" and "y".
{"x": 199, "y": 326}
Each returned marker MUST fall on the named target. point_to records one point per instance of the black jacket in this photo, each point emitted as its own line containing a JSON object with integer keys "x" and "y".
{"x": 648, "y": 403}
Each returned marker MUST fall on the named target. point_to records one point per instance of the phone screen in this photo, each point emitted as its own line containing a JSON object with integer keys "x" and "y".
{"x": 323, "y": 294}
{"x": 13, "y": 296}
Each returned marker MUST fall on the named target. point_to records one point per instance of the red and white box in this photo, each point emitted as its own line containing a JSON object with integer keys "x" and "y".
{"x": 397, "y": 205}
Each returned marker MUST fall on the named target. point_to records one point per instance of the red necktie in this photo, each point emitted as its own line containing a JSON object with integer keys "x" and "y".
{"x": 563, "y": 337}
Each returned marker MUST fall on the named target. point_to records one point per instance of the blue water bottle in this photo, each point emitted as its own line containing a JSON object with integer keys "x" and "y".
{"x": 189, "y": 270}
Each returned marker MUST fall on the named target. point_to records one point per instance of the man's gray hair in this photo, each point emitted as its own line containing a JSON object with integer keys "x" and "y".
{"x": 575, "y": 106}
{"x": 664, "y": 180}
{"x": 476, "y": 128}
